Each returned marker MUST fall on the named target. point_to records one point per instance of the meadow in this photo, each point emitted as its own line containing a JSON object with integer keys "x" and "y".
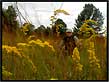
{"x": 41, "y": 59}
{"x": 32, "y": 52}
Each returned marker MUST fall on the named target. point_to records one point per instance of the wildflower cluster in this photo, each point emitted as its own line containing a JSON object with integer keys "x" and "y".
{"x": 24, "y": 29}
{"x": 31, "y": 37}
{"x": 53, "y": 79}
{"x": 92, "y": 58}
{"x": 90, "y": 21}
{"x": 76, "y": 60}
{"x": 50, "y": 46}
{"x": 10, "y": 49}
{"x": 41, "y": 44}
{"x": 86, "y": 29}
{"x": 20, "y": 61}
{"x": 61, "y": 11}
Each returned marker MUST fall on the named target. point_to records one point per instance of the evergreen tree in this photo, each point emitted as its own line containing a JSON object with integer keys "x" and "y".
{"x": 89, "y": 12}
{"x": 10, "y": 16}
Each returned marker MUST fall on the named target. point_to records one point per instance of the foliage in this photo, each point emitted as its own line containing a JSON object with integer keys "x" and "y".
{"x": 10, "y": 16}
{"x": 6, "y": 75}
{"x": 59, "y": 27}
{"x": 86, "y": 30}
{"x": 89, "y": 12}
{"x": 61, "y": 11}
{"x": 39, "y": 58}
{"x": 18, "y": 64}
{"x": 77, "y": 67}
{"x": 27, "y": 28}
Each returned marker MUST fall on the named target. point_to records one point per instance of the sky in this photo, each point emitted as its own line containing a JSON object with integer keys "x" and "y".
{"x": 39, "y": 13}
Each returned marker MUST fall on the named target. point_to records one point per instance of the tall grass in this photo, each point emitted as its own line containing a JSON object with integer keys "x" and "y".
{"x": 41, "y": 60}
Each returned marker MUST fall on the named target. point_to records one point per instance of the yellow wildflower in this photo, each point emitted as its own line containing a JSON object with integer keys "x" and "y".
{"x": 97, "y": 60}
{"x": 32, "y": 42}
{"x": 21, "y": 44}
{"x": 31, "y": 37}
{"x": 76, "y": 51}
{"x": 53, "y": 79}
{"x": 98, "y": 65}
{"x": 39, "y": 41}
{"x": 79, "y": 66}
{"x": 7, "y": 48}
{"x": 40, "y": 44}
{"x": 52, "y": 48}
{"x": 92, "y": 61}
{"x": 46, "y": 43}
{"x": 74, "y": 59}
{"x": 10, "y": 49}
{"x": 91, "y": 44}
{"x": 80, "y": 69}
{"x": 76, "y": 54}
{"x": 92, "y": 21}
{"x": 92, "y": 57}
{"x": 16, "y": 51}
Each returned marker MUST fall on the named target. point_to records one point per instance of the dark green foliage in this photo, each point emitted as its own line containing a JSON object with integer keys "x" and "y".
{"x": 40, "y": 30}
{"x": 89, "y": 12}
{"x": 30, "y": 28}
{"x": 62, "y": 26}
{"x": 10, "y": 16}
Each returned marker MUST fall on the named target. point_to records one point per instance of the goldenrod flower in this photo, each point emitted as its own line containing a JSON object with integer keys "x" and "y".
{"x": 46, "y": 43}
{"x": 53, "y": 79}
{"x": 76, "y": 54}
{"x": 7, "y": 48}
{"x": 98, "y": 65}
{"x": 39, "y": 41}
{"x": 92, "y": 58}
{"x": 92, "y": 61}
{"x": 21, "y": 44}
{"x": 32, "y": 42}
{"x": 10, "y": 49}
{"x": 31, "y": 37}
{"x": 76, "y": 60}
{"x": 91, "y": 44}
{"x": 92, "y": 21}
{"x": 76, "y": 51}
{"x": 79, "y": 66}
{"x": 15, "y": 50}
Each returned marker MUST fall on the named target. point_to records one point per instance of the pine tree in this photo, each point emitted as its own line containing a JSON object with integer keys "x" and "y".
{"x": 10, "y": 16}
{"x": 89, "y": 12}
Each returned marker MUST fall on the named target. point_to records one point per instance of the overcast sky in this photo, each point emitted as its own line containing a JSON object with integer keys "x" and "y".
{"x": 39, "y": 12}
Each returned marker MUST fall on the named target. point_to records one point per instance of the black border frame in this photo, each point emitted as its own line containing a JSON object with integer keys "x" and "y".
{"x": 54, "y": 1}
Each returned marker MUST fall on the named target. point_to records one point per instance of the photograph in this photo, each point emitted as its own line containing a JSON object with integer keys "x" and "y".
{"x": 54, "y": 41}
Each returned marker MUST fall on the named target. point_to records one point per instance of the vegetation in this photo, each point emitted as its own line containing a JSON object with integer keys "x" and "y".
{"x": 89, "y": 12}
{"x": 30, "y": 53}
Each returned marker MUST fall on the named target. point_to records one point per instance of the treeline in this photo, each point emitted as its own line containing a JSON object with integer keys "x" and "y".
{"x": 91, "y": 19}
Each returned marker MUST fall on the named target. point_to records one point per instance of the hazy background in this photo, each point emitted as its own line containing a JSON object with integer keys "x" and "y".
{"x": 39, "y": 12}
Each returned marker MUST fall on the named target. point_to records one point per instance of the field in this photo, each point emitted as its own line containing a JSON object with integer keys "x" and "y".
{"x": 33, "y": 52}
{"x": 41, "y": 59}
